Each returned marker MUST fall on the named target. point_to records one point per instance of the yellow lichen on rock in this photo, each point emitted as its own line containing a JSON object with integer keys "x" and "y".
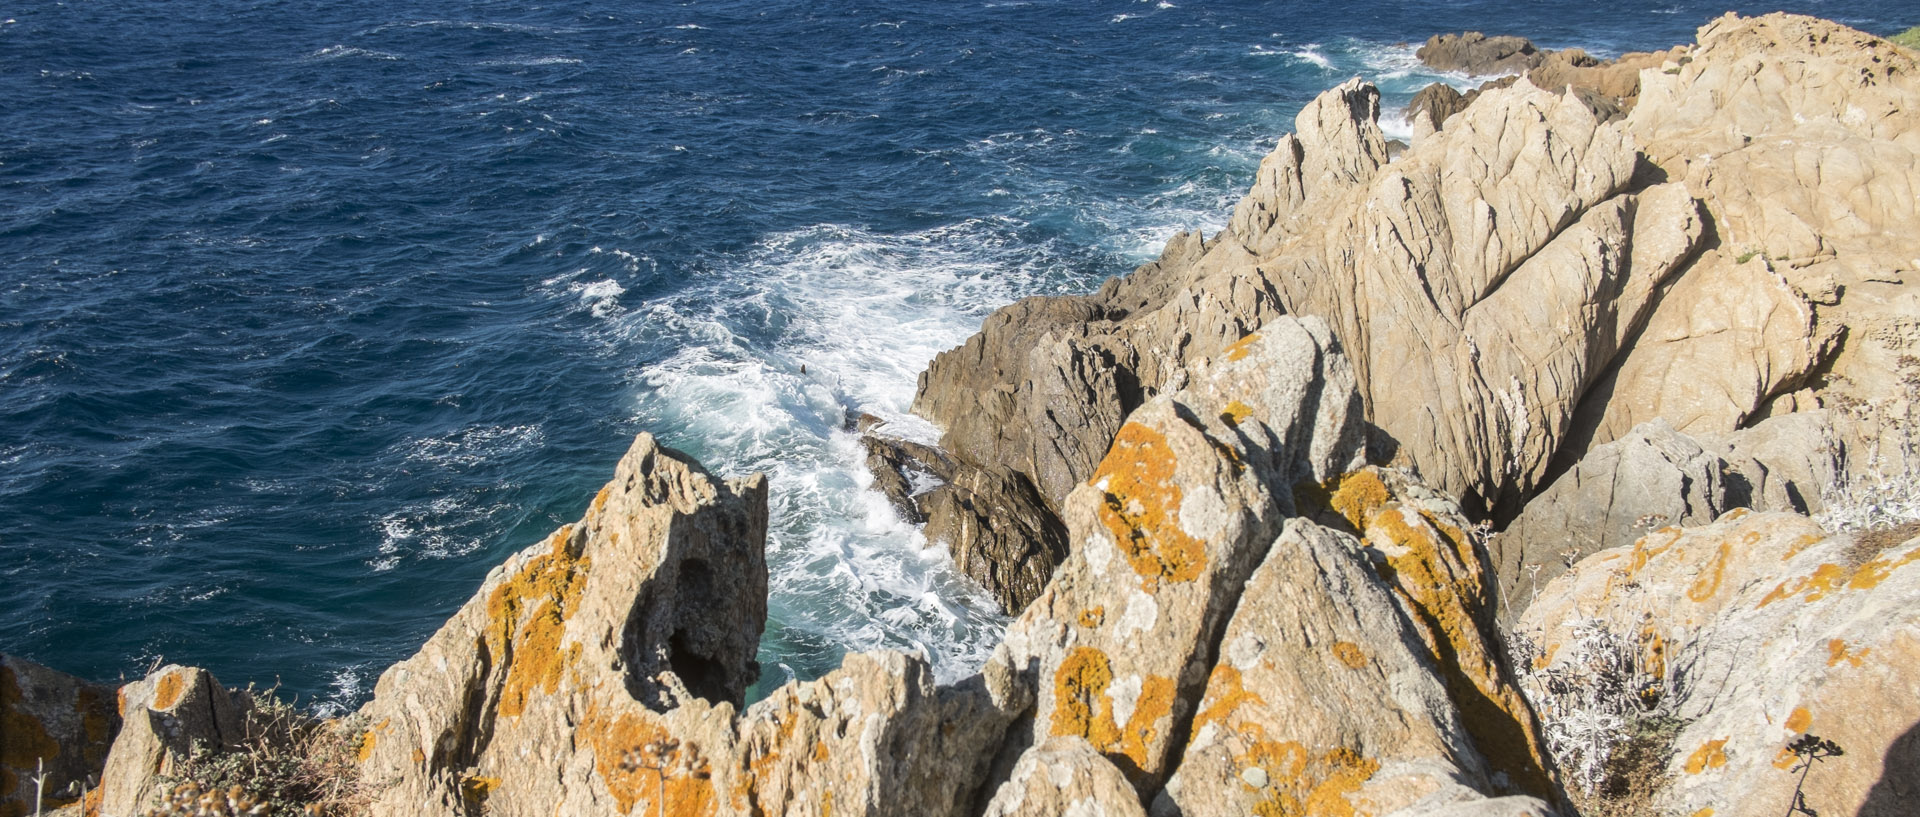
{"x": 641, "y": 762}
{"x": 1830, "y": 578}
{"x": 1349, "y": 654}
{"x": 1084, "y": 708}
{"x": 169, "y": 691}
{"x": 1243, "y": 347}
{"x": 1300, "y": 784}
{"x": 1710, "y": 755}
{"x": 1236, "y": 413}
{"x": 1357, "y": 496}
{"x": 549, "y": 585}
{"x": 1799, "y": 719}
{"x": 1708, "y": 582}
{"x": 1838, "y": 651}
{"x": 1141, "y": 507}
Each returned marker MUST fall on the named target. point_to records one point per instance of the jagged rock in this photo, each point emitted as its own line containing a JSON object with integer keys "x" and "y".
{"x": 1785, "y": 463}
{"x": 1165, "y": 532}
{"x": 54, "y": 724}
{"x": 1482, "y": 282}
{"x": 166, "y": 716}
{"x": 1798, "y": 134}
{"x": 874, "y": 737}
{"x": 1431, "y": 106}
{"x": 595, "y": 672}
{"x": 1751, "y": 631}
{"x": 1476, "y": 53}
{"x": 1617, "y": 80}
{"x": 998, "y": 527}
{"x": 1065, "y": 776}
{"x": 1000, "y": 532}
{"x": 1651, "y": 478}
{"x": 1324, "y": 695}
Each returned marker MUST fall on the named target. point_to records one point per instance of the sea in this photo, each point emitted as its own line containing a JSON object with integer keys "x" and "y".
{"x": 312, "y": 313}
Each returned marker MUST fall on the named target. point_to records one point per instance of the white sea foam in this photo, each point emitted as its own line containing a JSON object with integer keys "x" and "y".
{"x": 333, "y": 52}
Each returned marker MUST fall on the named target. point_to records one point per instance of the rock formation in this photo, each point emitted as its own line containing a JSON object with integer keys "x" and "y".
{"x": 1240, "y": 500}
{"x": 1748, "y": 633}
{"x": 53, "y": 724}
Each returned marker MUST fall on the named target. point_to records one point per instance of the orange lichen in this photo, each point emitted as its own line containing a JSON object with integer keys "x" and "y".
{"x": 1236, "y": 413}
{"x": 1710, "y": 755}
{"x": 641, "y": 762}
{"x": 1785, "y": 758}
{"x": 1243, "y": 347}
{"x": 1653, "y": 651}
{"x": 475, "y": 789}
{"x": 419, "y": 758}
{"x": 600, "y": 499}
{"x": 1082, "y": 707}
{"x": 1708, "y": 582}
{"x": 1795, "y": 547}
{"x": 1093, "y": 616}
{"x": 367, "y": 741}
{"x": 1838, "y": 651}
{"x": 1799, "y": 719}
{"x": 1830, "y": 578}
{"x": 1705, "y": 812}
{"x": 1357, "y": 496}
{"x": 1645, "y": 548}
{"x": 1350, "y": 654}
{"x": 1435, "y": 570}
{"x": 169, "y": 690}
{"x": 1141, "y": 508}
{"x": 27, "y": 740}
{"x": 820, "y": 751}
{"x": 549, "y": 585}
{"x": 1300, "y": 784}
{"x": 1545, "y": 658}
{"x": 1225, "y": 695}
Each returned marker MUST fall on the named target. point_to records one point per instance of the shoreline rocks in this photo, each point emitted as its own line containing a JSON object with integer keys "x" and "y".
{"x": 1240, "y": 498}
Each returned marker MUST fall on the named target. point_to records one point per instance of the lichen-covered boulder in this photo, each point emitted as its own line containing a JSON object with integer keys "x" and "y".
{"x": 1166, "y": 531}
{"x": 1324, "y": 698}
{"x": 1064, "y": 776}
{"x": 1749, "y": 633}
{"x": 166, "y": 718}
{"x": 53, "y": 724}
{"x": 595, "y": 672}
{"x": 874, "y": 737}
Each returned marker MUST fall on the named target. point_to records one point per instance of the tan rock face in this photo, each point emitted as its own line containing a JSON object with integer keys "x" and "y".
{"x": 1751, "y": 631}
{"x": 166, "y": 716}
{"x": 54, "y": 724}
{"x": 1065, "y": 776}
{"x": 595, "y": 672}
{"x": 1166, "y": 530}
{"x": 1292, "y": 719}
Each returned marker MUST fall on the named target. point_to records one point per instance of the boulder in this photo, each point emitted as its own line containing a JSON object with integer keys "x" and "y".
{"x": 597, "y": 671}
{"x": 874, "y": 737}
{"x": 1741, "y": 636}
{"x": 998, "y": 527}
{"x": 166, "y": 718}
{"x": 56, "y": 725}
{"x": 1165, "y": 532}
{"x": 1431, "y": 106}
{"x": 1474, "y": 53}
{"x": 1652, "y": 478}
{"x": 1324, "y": 697}
{"x": 1065, "y": 776}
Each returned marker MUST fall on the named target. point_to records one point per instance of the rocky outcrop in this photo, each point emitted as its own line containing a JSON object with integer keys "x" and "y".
{"x": 1745, "y": 634}
{"x": 168, "y": 716}
{"x": 1165, "y": 532}
{"x": 1064, "y": 776}
{"x": 1474, "y": 53}
{"x": 996, "y": 525}
{"x": 615, "y": 652}
{"x": 54, "y": 725}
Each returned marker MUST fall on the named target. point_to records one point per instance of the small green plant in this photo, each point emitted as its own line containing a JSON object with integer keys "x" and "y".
{"x": 1745, "y": 256}
{"x": 288, "y": 763}
{"x": 1810, "y": 749}
{"x": 1909, "y": 38}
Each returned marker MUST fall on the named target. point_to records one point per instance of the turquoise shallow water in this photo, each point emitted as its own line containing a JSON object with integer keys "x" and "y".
{"x": 311, "y": 313}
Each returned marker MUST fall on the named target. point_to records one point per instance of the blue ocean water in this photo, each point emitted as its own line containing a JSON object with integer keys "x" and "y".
{"x": 311, "y": 313}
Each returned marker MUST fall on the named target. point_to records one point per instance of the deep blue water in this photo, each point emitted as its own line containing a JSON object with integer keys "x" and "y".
{"x": 310, "y": 313}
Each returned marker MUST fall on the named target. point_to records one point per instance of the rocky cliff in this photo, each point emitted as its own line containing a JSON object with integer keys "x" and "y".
{"x": 1485, "y": 478}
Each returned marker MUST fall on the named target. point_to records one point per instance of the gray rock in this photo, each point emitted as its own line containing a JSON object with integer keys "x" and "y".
{"x": 1475, "y": 53}
{"x": 54, "y": 724}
